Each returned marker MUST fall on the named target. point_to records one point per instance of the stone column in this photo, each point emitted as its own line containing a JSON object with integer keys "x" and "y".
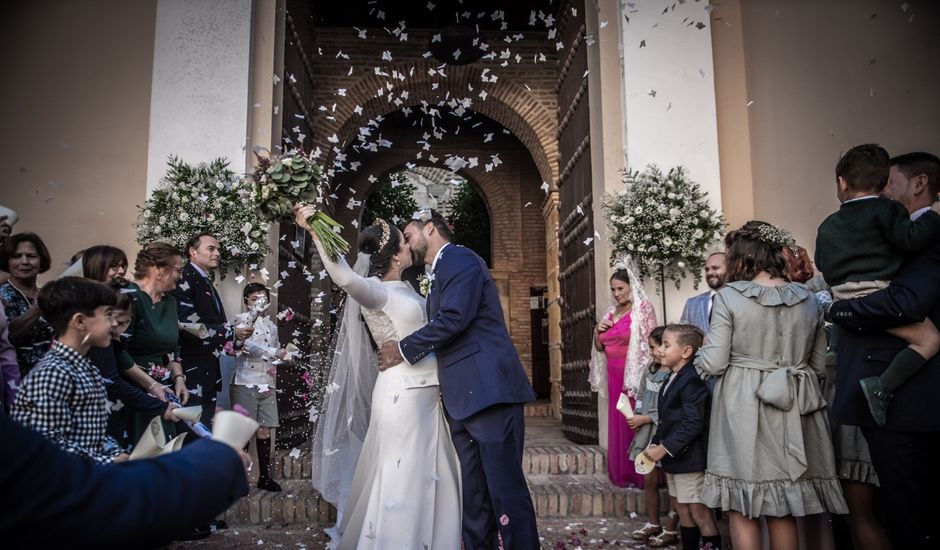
{"x": 213, "y": 88}
{"x": 669, "y": 105}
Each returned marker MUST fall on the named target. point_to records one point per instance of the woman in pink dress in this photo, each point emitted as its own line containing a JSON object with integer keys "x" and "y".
{"x": 621, "y": 340}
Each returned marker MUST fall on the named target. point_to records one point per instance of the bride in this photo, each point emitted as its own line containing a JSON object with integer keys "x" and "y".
{"x": 405, "y": 492}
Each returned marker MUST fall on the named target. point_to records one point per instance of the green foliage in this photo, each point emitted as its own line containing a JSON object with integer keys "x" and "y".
{"x": 390, "y": 200}
{"x": 281, "y": 181}
{"x": 205, "y": 198}
{"x": 471, "y": 221}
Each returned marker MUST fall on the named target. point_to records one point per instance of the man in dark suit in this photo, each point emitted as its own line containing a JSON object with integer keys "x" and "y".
{"x": 52, "y": 499}
{"x": 198, "y": 302}
{"x": 483, "y": 385}
{"x": 905, "y": 450}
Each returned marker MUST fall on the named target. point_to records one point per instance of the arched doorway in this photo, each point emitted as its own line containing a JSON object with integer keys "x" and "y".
{"x": 510, "y": 190}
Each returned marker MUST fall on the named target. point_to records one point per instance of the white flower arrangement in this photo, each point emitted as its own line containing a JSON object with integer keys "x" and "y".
{"x": 210, "y": 198}
{"x": 664, "y": 223}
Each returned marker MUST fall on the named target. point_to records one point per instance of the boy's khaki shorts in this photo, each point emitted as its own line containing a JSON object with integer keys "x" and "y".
{"x": 687, "y": 488}
{"x": 261, "y": 406}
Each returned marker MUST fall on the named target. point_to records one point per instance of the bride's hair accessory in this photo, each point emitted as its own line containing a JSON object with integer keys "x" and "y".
{"x": 386, "y": 232}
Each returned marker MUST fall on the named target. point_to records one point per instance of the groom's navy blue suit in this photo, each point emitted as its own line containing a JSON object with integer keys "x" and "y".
{"x": 483, "y": 387}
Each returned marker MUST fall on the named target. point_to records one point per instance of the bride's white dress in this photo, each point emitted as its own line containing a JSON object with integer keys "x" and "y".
{"x": 406, "y": 489}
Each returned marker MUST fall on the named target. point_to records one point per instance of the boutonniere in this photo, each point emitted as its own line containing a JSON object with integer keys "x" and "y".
{"x": 425, "y": 282}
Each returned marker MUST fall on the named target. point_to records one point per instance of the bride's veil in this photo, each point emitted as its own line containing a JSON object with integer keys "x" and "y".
{"x": 344, "y": 415}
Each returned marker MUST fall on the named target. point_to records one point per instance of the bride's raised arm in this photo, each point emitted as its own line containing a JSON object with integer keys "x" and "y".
{"x": 370, "y": 293}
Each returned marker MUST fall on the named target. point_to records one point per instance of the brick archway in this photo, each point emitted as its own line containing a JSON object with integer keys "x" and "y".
{"x": 508, "y": 104}
{"x": 513, "y": 196}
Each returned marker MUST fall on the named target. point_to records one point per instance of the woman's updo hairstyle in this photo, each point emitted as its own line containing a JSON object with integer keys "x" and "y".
{"x": 156, "y": 254}
{"x": 757, "y": 246}
{"x": 381, "y": 241}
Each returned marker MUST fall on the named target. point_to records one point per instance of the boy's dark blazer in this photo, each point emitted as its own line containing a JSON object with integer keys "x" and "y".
{"x": 683, "y": 422}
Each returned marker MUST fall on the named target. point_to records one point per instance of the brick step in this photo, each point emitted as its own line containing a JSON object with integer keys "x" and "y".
{"x": 564, "y": 459}
{"x": 542, "y": 409}
{"x": 297, "y": 504}
{"x": 585, "y": 495}
{"x": 287, "y": 467}
{"x": 536, "y": 459}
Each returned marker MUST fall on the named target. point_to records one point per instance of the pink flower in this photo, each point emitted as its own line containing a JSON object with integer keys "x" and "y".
{"x": 229, "y": 348}
{"x": 288, "y": 314}
{"x": 504, "y": 519}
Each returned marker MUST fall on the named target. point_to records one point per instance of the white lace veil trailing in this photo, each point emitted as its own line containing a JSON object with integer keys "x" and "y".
{"x": 639, "y": 357}
{"x": 344, "y": 418}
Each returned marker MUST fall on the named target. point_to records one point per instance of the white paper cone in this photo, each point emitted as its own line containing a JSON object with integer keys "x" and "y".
{"x": 174, "y": 444}
{"x": 151, "y": 442}
{"x": 643, "y": 465}
{"x": 198, "y": 330}
{"x": 233, "y": 428}
{"x": 623, "y": 405}
{"x": 191, "y": 414}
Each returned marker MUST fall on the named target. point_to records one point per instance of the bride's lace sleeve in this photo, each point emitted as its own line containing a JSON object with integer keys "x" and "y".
{"x": 368, "y": 292}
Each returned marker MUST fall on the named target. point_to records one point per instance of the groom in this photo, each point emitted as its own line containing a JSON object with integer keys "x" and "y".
{"x": 482, "y": 382}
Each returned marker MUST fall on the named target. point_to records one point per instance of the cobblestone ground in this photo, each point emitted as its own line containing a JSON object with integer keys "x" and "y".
{"x": 557, "y": 534}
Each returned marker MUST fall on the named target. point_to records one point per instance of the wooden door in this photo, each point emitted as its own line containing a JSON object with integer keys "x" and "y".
{"x": 576, "y": 274}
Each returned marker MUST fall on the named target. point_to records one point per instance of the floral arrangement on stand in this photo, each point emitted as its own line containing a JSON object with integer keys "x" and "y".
{"x": 210, "y": 198}
{"x": 281, "y": 181}
{"x": 664, "y": 223}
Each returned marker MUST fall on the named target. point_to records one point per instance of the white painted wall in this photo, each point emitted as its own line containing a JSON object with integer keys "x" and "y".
{"x": 679, "y": 125}
{"x": 199, "y": 101}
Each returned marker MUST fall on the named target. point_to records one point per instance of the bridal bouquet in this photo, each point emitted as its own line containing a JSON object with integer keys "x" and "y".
{"x": 281, "y": 181}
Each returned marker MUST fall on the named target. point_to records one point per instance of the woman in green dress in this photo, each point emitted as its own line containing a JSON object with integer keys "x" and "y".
{"x": 153, "y": 337}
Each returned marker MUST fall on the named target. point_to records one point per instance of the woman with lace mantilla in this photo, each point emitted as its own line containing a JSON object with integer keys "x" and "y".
{"x": 769, "y": 448}
{"x": 621, "y": 355}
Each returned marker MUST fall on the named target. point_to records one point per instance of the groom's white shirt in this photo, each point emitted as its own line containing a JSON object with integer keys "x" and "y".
{"x": 433, "y": 267}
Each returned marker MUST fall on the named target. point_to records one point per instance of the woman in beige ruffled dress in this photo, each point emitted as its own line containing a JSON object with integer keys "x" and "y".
{"x": 769, "y": 451}
{"x": 853, "y": 461}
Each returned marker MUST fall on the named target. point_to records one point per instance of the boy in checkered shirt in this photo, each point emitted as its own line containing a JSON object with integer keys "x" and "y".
{"x": 64, "y": 396}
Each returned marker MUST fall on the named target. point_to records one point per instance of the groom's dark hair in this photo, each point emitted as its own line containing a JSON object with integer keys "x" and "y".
{"x": 439, "y": 223}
